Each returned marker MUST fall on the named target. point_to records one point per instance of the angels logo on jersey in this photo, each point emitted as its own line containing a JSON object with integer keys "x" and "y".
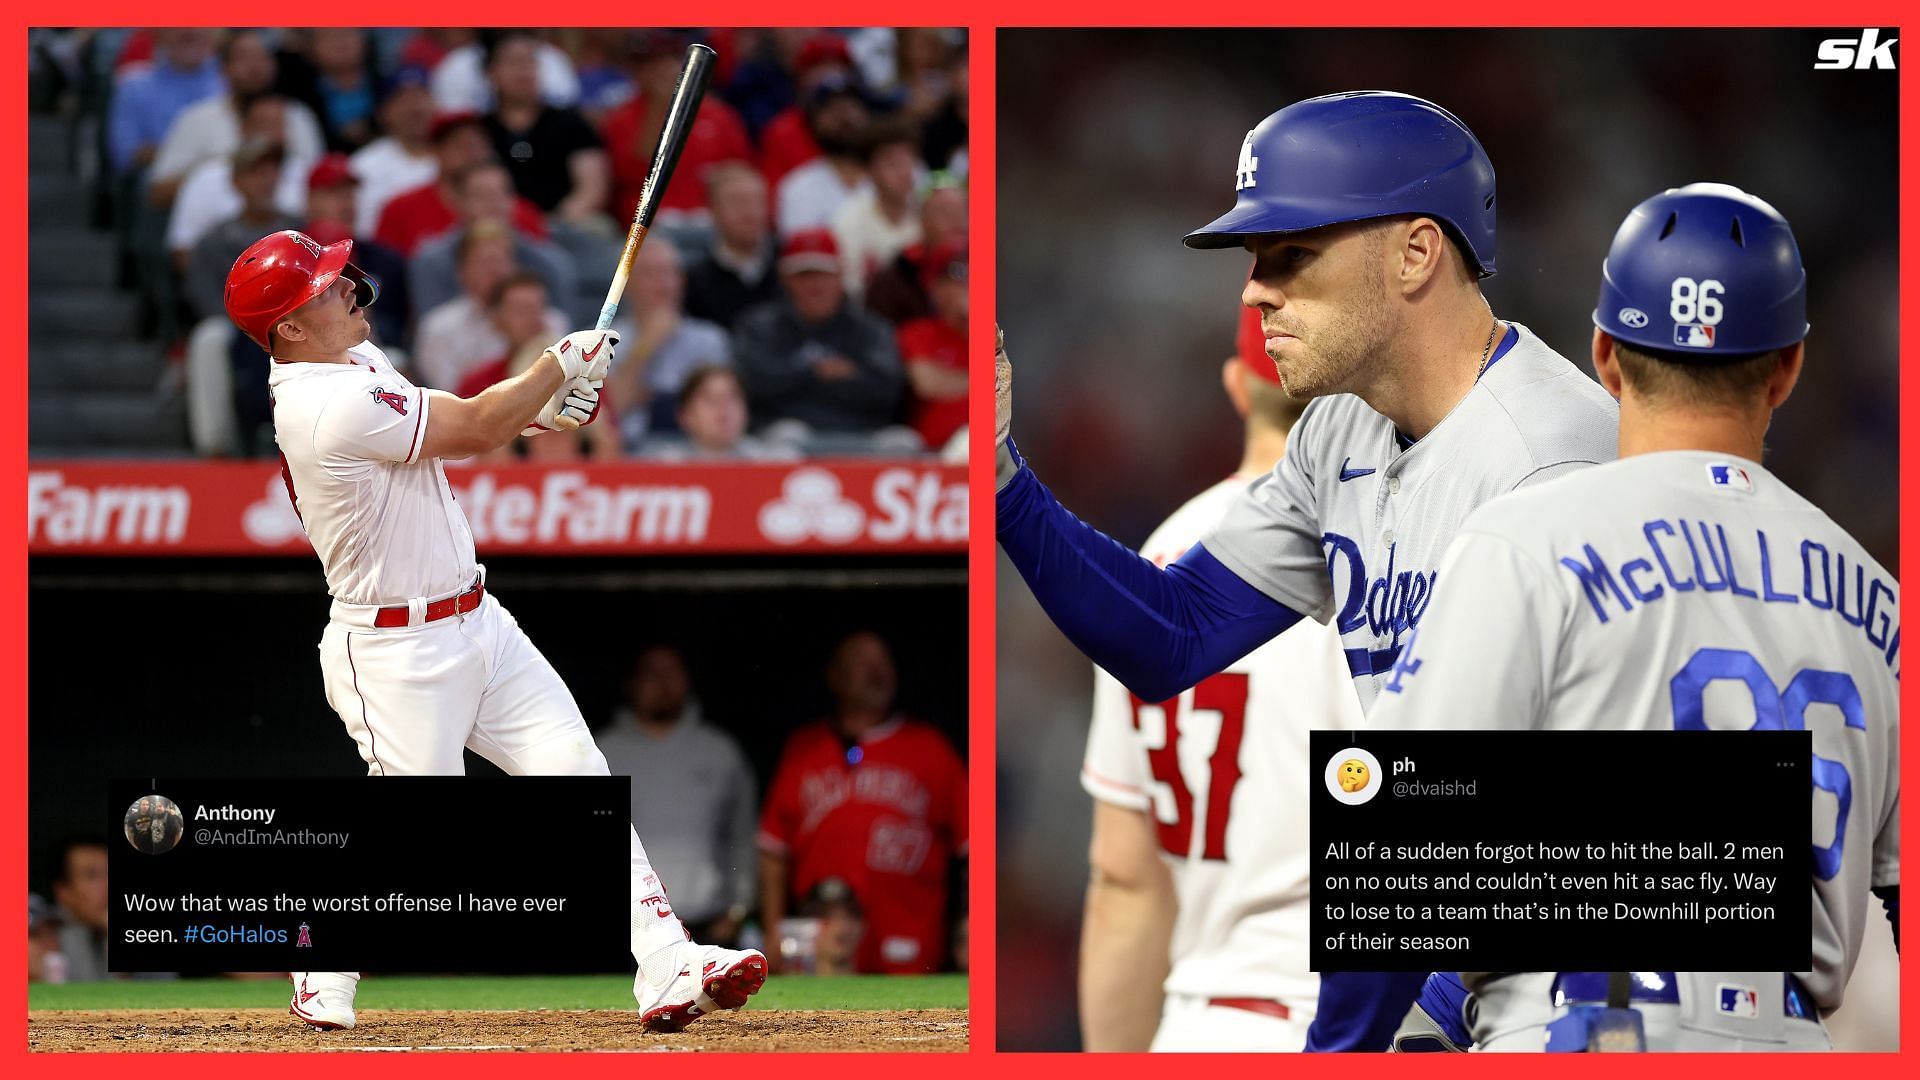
{"x": 396, "y": 402}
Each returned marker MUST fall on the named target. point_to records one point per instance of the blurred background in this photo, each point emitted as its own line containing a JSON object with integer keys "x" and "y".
{"x": 768, "y": 526}
{"x": 1118, "y": 331}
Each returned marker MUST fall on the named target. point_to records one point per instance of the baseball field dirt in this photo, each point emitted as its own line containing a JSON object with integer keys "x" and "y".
{"x": 497, "y": 1013}
{"x": 176, "y": 1030}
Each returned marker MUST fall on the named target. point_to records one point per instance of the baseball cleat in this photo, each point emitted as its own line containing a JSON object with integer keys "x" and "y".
{"x": 324, "y": 999}
{"x": 733, "y": 976}
{"x": 728, "y": 977}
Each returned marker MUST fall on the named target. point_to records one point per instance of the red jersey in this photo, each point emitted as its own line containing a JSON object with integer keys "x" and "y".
{"x": 885, "y": 816}
{"x": 421, "y": 214}
{"x": 933, "y": 338}
{"x": 717, "y": 135}
{"x": 786, "y": 143}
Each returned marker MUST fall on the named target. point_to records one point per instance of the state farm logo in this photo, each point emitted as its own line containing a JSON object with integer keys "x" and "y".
{"x": 272, "y": 521}
{"x": 906, "y": 505}
{"x": 810, "y": 505}
{"x": 63, "y": 514}
{"x": 568, "y": 505}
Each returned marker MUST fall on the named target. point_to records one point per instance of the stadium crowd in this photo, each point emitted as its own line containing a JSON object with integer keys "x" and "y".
{"x": 803, "y": 289}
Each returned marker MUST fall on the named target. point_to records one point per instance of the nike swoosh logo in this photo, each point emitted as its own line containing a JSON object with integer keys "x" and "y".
{"x": 595, "y": 351}
{"x": 1347, "y": 474}
{"x": 306, "y": 995}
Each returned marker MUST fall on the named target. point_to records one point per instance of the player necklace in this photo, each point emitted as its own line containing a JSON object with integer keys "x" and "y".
{"x": 1486, "y": 350}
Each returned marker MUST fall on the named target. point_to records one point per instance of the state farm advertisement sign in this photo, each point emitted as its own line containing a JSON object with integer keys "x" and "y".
{"x": 229, "y": 508}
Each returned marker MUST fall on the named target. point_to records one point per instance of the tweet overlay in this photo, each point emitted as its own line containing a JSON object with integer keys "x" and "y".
{"x": 1564, "y": 850}
{"x": 389, "y": 874}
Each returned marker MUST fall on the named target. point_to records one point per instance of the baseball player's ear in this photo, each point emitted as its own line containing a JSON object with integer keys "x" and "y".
{"x": 1421, "y": 253}
{"x": 1605, "y": 365}
{"x": 1233, "y": 378}
{"x": 1780, "y": 386}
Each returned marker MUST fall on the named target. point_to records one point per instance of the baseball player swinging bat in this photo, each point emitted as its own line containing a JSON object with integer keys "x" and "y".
{"x": 687, "y": 93}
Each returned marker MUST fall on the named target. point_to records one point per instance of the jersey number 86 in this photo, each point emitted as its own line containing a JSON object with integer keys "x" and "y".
{"x": 1778, "y": 710}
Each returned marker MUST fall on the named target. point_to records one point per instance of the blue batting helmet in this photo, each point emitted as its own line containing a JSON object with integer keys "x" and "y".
{"x": 1354, "y": 156}
{"x": 1705, "y": 270}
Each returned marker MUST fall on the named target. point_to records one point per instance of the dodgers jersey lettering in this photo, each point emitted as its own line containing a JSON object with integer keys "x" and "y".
{"x": 383, "y": 521}
{"x": 1219, "y": 769}
{"x": 1684, "y": 590}
{"x": 1351, "y": 525}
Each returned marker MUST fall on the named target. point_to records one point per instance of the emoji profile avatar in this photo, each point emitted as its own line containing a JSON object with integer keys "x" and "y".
{"x": 1353, "y": 776}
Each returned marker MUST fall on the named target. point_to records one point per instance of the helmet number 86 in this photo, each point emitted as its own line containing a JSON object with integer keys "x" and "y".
{"x": 1697, "y": 301}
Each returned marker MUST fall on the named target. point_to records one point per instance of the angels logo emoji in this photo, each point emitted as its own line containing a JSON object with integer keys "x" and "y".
{"x": 396, "y": 402}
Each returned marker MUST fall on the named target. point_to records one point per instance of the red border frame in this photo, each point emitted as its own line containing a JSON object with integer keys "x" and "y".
{"x": 982, "y": 17}
{"x": 1627, "y": 13}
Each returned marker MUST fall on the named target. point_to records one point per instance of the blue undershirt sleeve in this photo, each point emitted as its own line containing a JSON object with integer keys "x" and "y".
{"x": 1360, "y": 1010}
{"x": 1157, "y": 631}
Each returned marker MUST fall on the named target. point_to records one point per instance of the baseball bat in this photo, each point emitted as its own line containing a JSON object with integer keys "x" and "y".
{"x": 687, "y": 92}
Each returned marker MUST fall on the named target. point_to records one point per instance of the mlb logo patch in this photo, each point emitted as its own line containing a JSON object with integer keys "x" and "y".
{"x": 1731, "y": 477}
{"x": 1693, "y": 335}
{"x": 1740, "y": 1001}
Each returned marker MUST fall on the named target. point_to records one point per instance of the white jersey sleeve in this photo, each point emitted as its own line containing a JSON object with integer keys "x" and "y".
{"x": 375, "y": 420}
{"x": 1114, "y": 770}
{"x": 1483, "y": 656}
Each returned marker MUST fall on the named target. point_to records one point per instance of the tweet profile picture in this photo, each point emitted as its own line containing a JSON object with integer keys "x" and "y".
{"x": 1353, "y": 776}
{"x": 154, "y": 824}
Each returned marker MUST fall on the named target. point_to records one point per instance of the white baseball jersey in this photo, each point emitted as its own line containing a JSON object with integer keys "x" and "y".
{"x": 1685, "y": 590}
{"x": 383, "y": 521}
{"x": 1222, "y": 772}
{"x": 1351, "y": 525}
{"x": 388, "y": 531}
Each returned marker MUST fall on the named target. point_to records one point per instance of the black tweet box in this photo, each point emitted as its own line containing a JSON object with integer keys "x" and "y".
{"x": 494, "y": 874}
{"x": 1562, "y": 851}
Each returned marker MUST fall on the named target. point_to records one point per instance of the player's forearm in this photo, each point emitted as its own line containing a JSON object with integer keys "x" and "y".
{"x": 1157, "y": 631}
{"x": 1125, "y": 939}
{"x": 508, "y": 406}
{"x": 462, "y": 427}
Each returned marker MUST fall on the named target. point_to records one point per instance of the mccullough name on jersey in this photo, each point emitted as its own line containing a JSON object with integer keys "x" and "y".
{"x": 1683, "y": 555}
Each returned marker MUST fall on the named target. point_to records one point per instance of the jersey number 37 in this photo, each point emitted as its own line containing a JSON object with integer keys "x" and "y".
{"x": 1225, "y": 694}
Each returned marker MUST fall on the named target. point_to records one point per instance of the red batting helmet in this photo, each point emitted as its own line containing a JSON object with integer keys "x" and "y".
{"x": 284, "y": 270}
{"x": 1250, "y": 344}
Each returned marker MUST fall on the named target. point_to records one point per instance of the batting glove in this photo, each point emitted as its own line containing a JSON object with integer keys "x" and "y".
{"x": 1002, "y": 389}
{"x": 574, "y": 405}
{"x": 1006, "y": 461}
{"x": 586, "y": 353}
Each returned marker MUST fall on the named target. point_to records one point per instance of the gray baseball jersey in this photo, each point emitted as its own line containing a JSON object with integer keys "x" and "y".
{"x": 1351, "y": 525}
{"x": 1683, "y": 590}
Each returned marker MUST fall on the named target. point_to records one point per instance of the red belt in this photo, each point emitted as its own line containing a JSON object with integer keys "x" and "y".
{"x": 1262, "y": 1006}
{"x": 439, "y": 609}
